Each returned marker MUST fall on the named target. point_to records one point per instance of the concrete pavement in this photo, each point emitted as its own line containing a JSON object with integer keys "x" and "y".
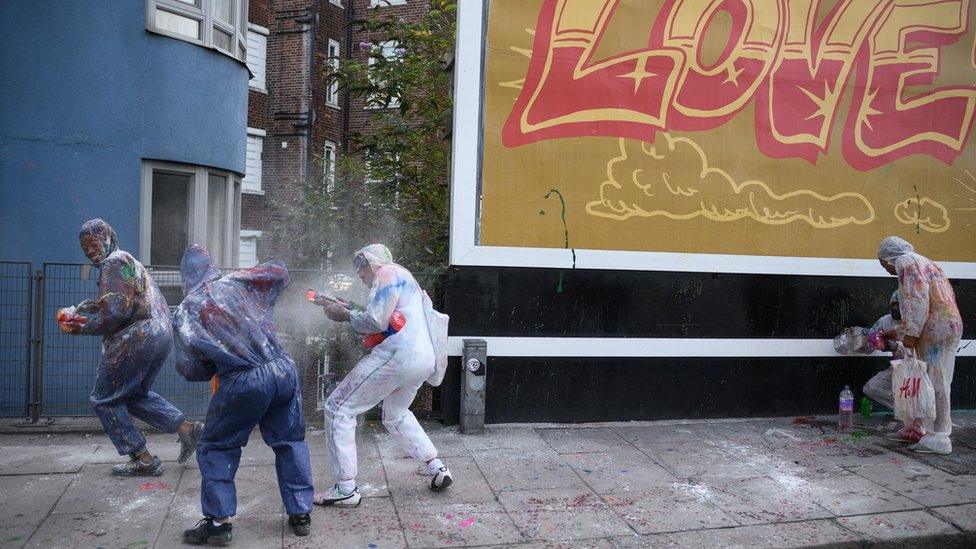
{"x": 786, "y": 482}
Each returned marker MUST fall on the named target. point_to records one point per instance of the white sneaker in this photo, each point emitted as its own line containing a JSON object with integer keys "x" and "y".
{"x": 335, "y": 498}
{"x": 441, "y": 480}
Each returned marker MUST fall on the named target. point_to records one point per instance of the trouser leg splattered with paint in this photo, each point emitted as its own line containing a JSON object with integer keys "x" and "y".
{"x": 388, "y": 374}
{"x": 878, "y": 389}
{"x": 940, "y": 356}
{"x": 126, "y": 372}
{"x": 268, "y": 396}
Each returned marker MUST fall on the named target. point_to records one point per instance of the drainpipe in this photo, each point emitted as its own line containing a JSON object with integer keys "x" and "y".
{"x": 350, "y": 17}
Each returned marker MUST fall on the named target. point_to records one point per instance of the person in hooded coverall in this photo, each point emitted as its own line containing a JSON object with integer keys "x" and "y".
{"x": 225, "y": 327}
{"x": 932, "y": 326}
{"x": 392, "y": 372}
{"x": 132, "y": 317}
{"x": 878, "y": 388}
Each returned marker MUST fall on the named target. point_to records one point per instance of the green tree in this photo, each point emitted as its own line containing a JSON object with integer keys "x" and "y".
{"x": 392, "y": 187}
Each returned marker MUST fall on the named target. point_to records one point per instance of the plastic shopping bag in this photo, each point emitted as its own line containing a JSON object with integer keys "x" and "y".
{"x": 437, "y": 323}
{"x": 912, "y": 387}
{"x": 853, "y": 341}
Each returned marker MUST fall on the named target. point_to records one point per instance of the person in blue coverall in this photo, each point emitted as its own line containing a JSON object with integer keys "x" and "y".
{"x": 224, "y": 327}
{"x": 133, "y": 319}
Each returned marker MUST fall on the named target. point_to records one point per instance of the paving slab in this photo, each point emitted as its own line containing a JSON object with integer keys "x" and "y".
{"x": 96, "y": 490}
{"x": 925, "y": 484}
{"x": 14, "y": 537}
{"x": 373, "y": 524}
{"x": 507, "y": 470}
{"x": 819, "y": 533}
{"x": 500, "y": 439}
{"x": 763, "y": 500}
{"x": 133, "y": 530}
{"x": 35, "y": 460}
{"x": 459, "y": 525}
{"x": 680, "y": 507}
{"x": 902, "y": 529}
{"x": 697, "y": 459}
{"x": 574, "y": 441}
{"x": 28, "y": 499}
{"x": 855, "y": 495}
{"x": 655, "y": 434}
{"x": 410, "y": 484}
{"x": 962, "y": 516}
{"x": 562, "y": 514}
{"x": 619, "y": 471}
{"x": 598, "y": 543}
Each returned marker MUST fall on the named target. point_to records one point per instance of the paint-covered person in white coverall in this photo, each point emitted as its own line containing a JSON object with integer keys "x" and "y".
{"x": 392, "y": 373}
{"x": 890, "y": 332}
{"x": 932, "y": 326}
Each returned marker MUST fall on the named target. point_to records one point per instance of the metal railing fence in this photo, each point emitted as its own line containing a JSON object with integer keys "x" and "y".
{"x": 59, "y": 371}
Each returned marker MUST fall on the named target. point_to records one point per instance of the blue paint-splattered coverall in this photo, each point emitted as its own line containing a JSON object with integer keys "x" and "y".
{"x": 132, "y": 317}
{"x": 224, "y": 327}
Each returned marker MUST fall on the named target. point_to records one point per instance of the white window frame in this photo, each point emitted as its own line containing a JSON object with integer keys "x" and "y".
{"x": 388, "y": 49}
{"x": 203, "y": 12}
{"x": 332, "y": 92}
{"x": 249, "y": 234}
{"x": 386, "y": 3}
{"x": 197, "y": 203}
{"x": 251, "y": 184}
{"x": 329, "y": 166}
{"x": 260, "y": 80}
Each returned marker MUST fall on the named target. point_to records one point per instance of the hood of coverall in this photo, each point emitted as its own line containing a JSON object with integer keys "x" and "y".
{"x": 197, "y": 268}
{"x": 893, "y": 247}
{"x": 103, "y": 232}
{"x": 894, "y": 298}
{"x": 377, "y": 255}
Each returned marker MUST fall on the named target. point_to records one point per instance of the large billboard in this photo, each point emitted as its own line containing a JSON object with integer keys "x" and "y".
{"x": 687, "y": 133}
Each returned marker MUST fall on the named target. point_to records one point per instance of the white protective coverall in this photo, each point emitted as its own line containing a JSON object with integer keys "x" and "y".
{"x": 878, "y": 388}
{"x": 392, "y": 372}
{"x": 929, "y": 312}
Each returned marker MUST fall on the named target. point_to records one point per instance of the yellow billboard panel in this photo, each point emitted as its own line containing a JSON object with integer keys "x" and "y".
{"x": 798, "y": 128}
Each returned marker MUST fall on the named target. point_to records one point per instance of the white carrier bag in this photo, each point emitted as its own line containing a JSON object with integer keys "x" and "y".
{"x": 437, "y": 326}
{"x": 912, "y": 387}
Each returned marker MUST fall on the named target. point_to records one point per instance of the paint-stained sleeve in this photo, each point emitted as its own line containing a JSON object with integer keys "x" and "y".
{"x": 116, "y": 298}
{"x": 189, "y": 364}
{"x": 383, "y": 297}
{"x": 913, "y": 286}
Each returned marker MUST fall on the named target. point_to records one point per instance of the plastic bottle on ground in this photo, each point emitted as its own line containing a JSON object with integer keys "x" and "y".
{"x": 845, "y": 416}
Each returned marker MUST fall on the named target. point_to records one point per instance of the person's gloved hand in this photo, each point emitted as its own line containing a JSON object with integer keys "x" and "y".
{"x": 909, "y": 341}
{"x": 337, "y": 313}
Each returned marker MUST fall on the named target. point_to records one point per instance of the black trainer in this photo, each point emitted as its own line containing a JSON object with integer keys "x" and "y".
{"x": 300, "y": 524}
{"x": 136, "y": 468}
{"x": 207, "y": 532}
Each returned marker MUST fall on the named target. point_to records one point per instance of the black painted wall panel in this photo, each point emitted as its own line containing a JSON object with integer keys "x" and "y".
{"x": 520, "y": 302}
{"x": 578, "y": 390}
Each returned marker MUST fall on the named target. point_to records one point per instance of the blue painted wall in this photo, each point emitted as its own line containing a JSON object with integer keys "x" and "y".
{"x": 86, "y": 94}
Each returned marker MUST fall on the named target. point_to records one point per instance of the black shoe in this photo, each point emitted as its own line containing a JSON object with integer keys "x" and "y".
{"x": 300, "y": 524}
{"x": 188, "y": 442}
{"x": 207, "y": 532}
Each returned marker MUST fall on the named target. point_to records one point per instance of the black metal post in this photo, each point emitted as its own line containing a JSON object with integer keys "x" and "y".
{"x": 34, "y": 404}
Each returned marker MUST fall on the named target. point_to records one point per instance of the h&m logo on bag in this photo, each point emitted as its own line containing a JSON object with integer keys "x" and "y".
{"x": 910, "y": 387}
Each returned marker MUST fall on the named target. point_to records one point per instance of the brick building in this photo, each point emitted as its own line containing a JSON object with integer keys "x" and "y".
{"x": 296, "y": 121}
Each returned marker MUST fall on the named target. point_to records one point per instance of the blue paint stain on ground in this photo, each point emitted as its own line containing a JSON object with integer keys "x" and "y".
{"x": 372, "y": 546}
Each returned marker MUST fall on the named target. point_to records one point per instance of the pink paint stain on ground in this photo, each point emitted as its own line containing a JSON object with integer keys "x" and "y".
{"x": 466, "y": 523}
{"x": 154, "y": 486}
